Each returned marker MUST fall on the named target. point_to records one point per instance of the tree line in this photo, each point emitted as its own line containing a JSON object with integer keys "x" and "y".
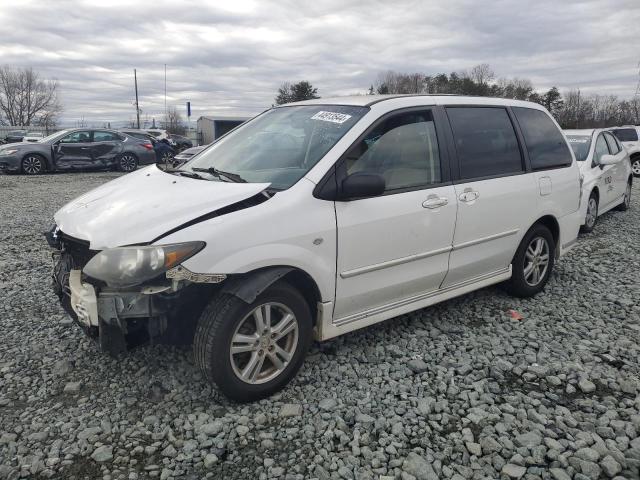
{"x": 572, "y": 109}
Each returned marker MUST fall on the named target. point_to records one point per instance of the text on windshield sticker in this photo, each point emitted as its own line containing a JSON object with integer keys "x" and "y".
{"x": 332, "y": 117}
{"x": 578, "y": 140}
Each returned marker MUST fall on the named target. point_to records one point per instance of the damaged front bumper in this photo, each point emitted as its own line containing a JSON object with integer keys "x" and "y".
{"x": 163, "y": 312}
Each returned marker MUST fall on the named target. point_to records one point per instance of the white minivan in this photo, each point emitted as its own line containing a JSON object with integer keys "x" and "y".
{"x": 315, "y": 219}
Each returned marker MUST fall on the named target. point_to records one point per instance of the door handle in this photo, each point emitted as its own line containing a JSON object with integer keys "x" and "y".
{"x": 85, "y": 148}
{"x": 433, "y": 201}
{"x": 469, "y": 195}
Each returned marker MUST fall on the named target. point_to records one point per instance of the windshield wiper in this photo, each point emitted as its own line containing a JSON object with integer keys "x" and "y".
{"x": 189, "y": 174}
{"x": 234, "y": 177}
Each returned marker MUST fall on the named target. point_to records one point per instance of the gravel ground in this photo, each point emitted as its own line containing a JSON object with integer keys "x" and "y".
{"x": 466, "y": 389}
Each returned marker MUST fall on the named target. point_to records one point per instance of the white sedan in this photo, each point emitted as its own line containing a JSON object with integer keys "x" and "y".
{"x": 606, "y": 173}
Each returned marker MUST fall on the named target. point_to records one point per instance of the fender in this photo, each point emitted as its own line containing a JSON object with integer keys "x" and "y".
{"x": 247, "y": 287}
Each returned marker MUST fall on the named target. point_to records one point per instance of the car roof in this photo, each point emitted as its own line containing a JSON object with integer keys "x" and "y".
{"x": 419, "y": 99}
{"x": 580, "y": 131}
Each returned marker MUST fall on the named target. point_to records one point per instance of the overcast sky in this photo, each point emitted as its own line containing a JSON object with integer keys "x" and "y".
{"x": 229, "y": 58}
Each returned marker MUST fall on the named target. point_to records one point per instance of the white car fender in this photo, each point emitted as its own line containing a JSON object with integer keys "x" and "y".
{"x": 290, "y": 229}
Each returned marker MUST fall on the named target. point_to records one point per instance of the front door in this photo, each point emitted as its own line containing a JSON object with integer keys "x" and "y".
{"x": 395, "y": 246}
{"x": 619, "y": 171}
{"x": 493, "y": 190}
{"x": 74, "y": 150}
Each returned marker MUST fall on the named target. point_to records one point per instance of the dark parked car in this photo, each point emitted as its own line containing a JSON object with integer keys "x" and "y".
{"x": 77, "y": 149}
{"x": 182, "y": 143}
{"x": 164, "y": 150}
{"x": 15, "y": 136}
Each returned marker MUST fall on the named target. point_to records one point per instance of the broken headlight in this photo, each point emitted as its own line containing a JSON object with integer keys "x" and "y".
{"x": 129, "y": 266}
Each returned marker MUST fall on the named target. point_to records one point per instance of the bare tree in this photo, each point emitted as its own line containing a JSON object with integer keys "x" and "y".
{"x": 481, "y": 74}
{"x": 399, "y": 83}
{"x": 173, "y": 121}
{"x": 26, "y": 98}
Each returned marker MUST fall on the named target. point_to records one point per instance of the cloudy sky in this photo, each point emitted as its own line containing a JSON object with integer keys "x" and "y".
{"x": 228, "y": 58}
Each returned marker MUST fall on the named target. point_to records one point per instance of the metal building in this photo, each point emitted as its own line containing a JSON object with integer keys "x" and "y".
{"x": 212, "y": 128}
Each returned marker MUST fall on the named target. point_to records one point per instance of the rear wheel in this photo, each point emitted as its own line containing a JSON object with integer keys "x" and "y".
{"x": 253, "y": 350}
{"x": 626, "y": 201}
{"x": 127, "y": 162}
{"x": 33, "y": 164}
{"x": 635, "y": 166}
{"x": 533, "y": 263}
{"x": 591, "y": 216}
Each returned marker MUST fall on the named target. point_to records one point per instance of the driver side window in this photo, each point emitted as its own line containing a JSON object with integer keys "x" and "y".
{"x": 77, "y": 137}
{"x": 402, "y": 149}
{"x": 600, "y": 149}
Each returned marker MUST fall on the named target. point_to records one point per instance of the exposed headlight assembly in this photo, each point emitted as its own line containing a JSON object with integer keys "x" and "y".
{"x": 129, "y": 266}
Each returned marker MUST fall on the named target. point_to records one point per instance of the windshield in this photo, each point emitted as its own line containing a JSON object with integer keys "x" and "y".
{"x": 626, "y": 134}
{"x": 53, "y": 136}
{"x": 280, "y": 146}
{"x": 580, "y": 145}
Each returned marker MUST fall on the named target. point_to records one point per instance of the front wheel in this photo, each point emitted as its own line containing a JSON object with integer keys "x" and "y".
{"x": 635, "y": 166}
{"x": 253, "y": 350}
{"x": 33, "y": 165}
{"x": 127, "y": 162}
{"x": 592, "y": 214}
{"x": 533, "y": 262}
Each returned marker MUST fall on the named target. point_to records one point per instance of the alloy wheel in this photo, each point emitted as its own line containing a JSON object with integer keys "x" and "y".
{"x": 592, "y": 212}
{"x": 264, "y": 343}
{"x": 536, "y": 261}
{"x": 32, "y": 165}
{"x": 127, "y": 163}
{"x": 635, "y": 167}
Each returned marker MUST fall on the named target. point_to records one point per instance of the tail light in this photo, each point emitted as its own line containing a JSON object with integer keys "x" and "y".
{"x": 147, "y": 145}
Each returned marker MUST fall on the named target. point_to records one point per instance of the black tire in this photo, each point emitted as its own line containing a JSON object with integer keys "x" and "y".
{"x": 127, "y": 162}
{"x": 635, "y": 166}
{"x": 591, "y": 217}
{"x": 518, "y": 285}
{"x": 33, "y": 164}
{"x": 626, "y": 201}
{"x": 217, "y": 326}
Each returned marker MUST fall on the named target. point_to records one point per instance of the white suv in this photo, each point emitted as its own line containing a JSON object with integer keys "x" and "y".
{"x": 315, "y": 219}
{"x": 628, "y": 136}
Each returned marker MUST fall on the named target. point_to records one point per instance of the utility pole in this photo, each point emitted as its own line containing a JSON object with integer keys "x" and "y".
{"x": 165, "y": 94}
{"x": 135, "y": 79}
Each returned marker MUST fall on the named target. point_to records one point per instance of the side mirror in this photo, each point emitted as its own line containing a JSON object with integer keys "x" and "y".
{"x": 362, "y": 185}
{"x": 607, "y": 160}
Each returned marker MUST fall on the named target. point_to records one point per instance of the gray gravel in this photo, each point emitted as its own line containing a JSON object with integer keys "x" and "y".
{"x": 461, "y": 390}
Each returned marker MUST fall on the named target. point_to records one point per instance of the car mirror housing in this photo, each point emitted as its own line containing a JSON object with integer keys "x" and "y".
{"x": 607, "y": 160}
{"x": 362, "y": 185}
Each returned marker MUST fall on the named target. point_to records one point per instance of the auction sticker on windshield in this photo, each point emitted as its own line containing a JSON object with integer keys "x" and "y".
{"x": 333, "y": 117}
{"x": 578, "y": 140}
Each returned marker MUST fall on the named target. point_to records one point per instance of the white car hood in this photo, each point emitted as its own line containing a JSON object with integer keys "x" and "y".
{"x": 141, "y": 206}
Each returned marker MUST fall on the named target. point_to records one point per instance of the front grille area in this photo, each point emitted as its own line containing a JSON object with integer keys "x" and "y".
{"x": 78, "y": 250}
{"x": 74, "y": 255}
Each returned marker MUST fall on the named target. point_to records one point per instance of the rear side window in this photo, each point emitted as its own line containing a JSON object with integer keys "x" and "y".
{"x": 105, "y": 137}
{"x": 614, "y": 148}
{"x": 626, "y": 134}
{"x": 546, "y": 146}
{"x": 485, "y": 141}
{"x": 403, "y": 149}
